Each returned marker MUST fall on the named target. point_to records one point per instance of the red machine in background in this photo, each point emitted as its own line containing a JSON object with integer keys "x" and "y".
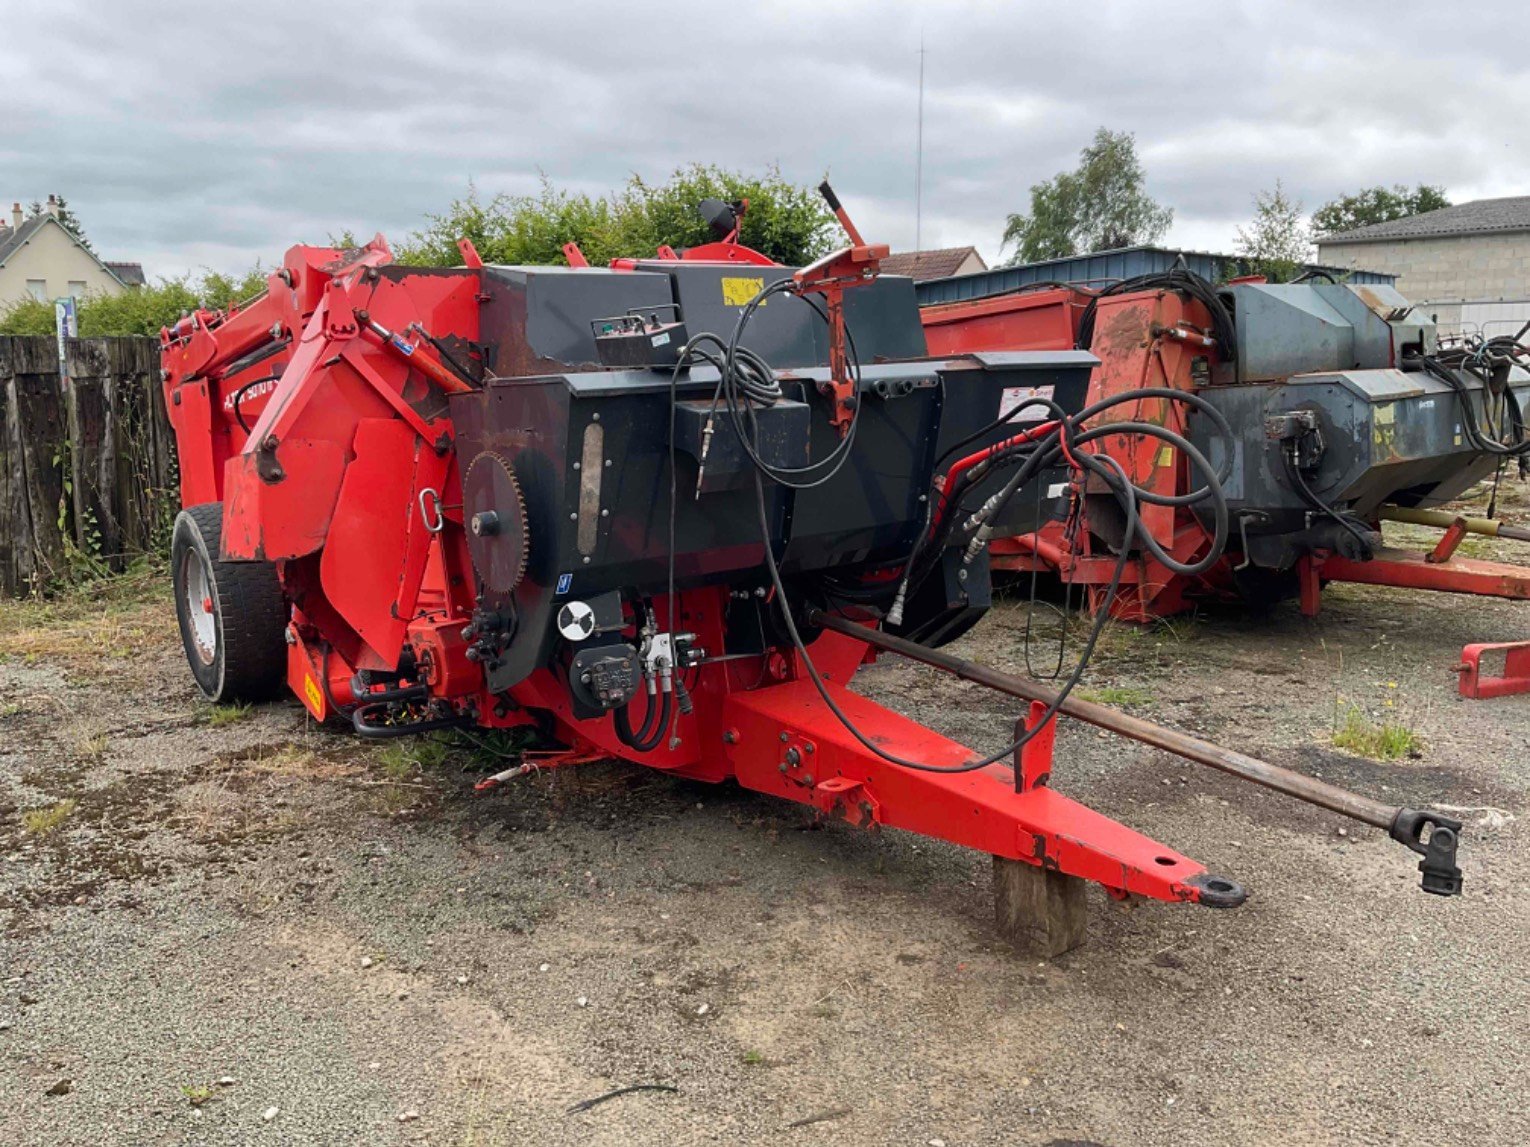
{"x": 643, "y": 514}
{"x": 1345, "y": 414}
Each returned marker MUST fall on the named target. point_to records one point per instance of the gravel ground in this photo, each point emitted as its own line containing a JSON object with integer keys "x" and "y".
{"x": 249, "y": 930}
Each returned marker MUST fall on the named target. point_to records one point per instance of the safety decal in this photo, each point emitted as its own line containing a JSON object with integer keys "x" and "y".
{"x": 1015, "y": 396}
{"x": 313, "y": 695}
{"x": 737, "y": 292}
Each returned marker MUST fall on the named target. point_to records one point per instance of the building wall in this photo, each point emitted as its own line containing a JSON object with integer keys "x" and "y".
{"x": 1483, "y": 268}
{"x": 52, "y": 258}
{"x": 971, "y": 265}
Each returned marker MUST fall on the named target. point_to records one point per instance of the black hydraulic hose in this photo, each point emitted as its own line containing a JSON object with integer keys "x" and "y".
{"x": 1310, "y": 496}
{"x": 245, "y": 389}
{"x": 1446, "y": 373}
{"x": 655, "y": 722}
{"x": 735, "y": 388}
{"x": 1049, "y": 453}
{"x": 666, "y": 711}
{"x": 361, "y": 720}
{"x": 971, "y": 766}
{"x": 1177, "y": 279}
{"x": 1133, "y": 493}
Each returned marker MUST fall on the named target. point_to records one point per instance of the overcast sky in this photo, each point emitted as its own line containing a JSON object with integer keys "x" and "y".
{"x": 212, "y": 135}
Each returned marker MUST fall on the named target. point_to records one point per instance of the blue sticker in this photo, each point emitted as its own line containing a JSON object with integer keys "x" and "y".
{"x": 565, "y": 581}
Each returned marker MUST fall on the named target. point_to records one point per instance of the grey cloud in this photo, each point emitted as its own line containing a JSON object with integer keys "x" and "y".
{"x": 222, "y": 134}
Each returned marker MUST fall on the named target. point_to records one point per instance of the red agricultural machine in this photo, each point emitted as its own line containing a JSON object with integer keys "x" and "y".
{"x": 1338, "y": 410}
{"x": 662, "y": 512}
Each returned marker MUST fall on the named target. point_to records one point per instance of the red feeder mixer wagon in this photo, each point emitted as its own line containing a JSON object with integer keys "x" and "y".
{"x": 663, "y": 512}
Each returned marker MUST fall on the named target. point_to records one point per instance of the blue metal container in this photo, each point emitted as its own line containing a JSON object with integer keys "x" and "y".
{"x": 1106, "y": 267}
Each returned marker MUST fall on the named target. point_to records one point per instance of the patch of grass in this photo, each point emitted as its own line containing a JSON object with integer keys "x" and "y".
{"x": 221, "y": 715}
{"x": 92, "y": 748}
{"x": 125, "y": 616}
{"x": 197, "y": 1093}
{"x": 752, "y": 1058}
{"x": 10, "y": 709}
{"x": 1116, "y": 695}
{"x": 290, "y": 760}
{"x": 1384, "y": 741}
{"x": 408, "y": 758}
{"x": 42, "y": 821}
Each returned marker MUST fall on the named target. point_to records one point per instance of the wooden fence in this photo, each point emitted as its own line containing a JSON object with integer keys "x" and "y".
{"x": 87, "y": 460}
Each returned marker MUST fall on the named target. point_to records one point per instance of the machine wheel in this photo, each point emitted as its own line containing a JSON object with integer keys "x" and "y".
{"x": 232, "y": 614}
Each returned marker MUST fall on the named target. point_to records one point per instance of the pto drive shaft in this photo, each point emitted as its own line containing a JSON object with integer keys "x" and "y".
{"x": 1440, "y": 874}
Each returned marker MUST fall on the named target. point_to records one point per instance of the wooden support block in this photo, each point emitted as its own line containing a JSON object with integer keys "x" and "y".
{"x": 1041, "y": 911}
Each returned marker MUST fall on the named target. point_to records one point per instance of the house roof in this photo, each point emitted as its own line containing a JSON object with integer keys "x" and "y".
{"x": 131, "y": 274}
{"x": 12, "y": 239}
{"x": 1480, "y": 217}
{"x": 940, "y": 263}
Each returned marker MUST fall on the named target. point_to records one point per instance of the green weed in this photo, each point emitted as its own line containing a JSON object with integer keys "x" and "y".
{"x": 1385, "y": 741}
{"x": 1120, "y": 695}
{"x": 221, "y": 715}
{"x": 42, "y": 821}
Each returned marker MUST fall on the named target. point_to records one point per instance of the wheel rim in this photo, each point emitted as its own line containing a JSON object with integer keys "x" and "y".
{"x": 197, "y": 601}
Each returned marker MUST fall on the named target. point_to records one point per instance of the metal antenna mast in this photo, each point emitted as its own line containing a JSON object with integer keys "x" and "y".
{"x": 919, "y": 155}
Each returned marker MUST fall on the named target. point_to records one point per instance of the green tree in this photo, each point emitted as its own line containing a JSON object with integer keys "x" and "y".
{"x": 66, "y": 216}
{"x": 789, "y": 223}
{"x": 1099, "y": 206}
{"x": 1376, "y": 205}
{"x": 139, "y": 311}
{"x": 1276, "y": 242}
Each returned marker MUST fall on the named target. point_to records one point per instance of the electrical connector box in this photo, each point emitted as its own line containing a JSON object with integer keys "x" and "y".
{"x": 631, "y": 342}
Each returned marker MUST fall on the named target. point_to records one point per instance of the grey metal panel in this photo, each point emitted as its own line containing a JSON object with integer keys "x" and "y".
{"x": 1289, "y": 329}
{"x": 1390, "y": 437}
{"x": 1104, "y": 266}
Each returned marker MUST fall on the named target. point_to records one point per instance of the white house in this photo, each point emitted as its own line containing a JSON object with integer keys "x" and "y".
{"x": 39, "y": 257}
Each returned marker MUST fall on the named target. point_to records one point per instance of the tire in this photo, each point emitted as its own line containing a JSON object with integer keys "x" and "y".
{"x": 232, "y": 615}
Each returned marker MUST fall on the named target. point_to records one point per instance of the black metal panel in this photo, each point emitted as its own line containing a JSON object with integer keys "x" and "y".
{"x": 536, "y": 320}
{"x": 882, "y": 316}
{"x": 872, "y": 510}
{"x": 590, "y": 453}
{"x": 781, "y": 439}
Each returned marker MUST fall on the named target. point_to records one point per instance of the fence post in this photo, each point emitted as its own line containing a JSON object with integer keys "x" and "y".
{"x": 35, "y": 428}
{"x": 146, "y": 475}
{"x": 10, "y": 487}
{"x": 93, "y": 449}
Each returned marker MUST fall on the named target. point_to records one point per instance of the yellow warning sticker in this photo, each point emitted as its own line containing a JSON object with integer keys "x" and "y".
{"x": 737, "y": 292}
{"x": 1165, "y": 457}
{"x": 314, "y": 697}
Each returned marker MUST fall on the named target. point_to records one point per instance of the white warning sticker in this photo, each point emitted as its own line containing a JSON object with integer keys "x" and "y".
{"x": 1017, "y": 396}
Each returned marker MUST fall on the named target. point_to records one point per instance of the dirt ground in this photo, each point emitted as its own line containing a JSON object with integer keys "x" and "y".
{"x": 220, "y": 927}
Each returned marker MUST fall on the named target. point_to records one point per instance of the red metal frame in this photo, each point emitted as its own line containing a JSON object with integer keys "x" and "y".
{"x": 1515, "y": 677}
{"x": 1409, "y": 569}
